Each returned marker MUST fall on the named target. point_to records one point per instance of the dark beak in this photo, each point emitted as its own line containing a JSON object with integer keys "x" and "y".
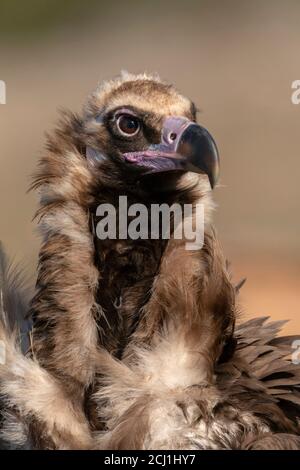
{"x": 200, "y": 152}
{"x": 185, "y": 146}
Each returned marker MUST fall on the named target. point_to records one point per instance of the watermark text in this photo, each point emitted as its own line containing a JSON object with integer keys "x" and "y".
{"x": 157, "y": 221}
{"x": 2, "y": 92}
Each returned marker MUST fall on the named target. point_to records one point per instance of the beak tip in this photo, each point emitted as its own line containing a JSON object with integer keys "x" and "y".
{"x": 212, "y": 182}
{"x": 201, "y": 152}
{"x": 213, "y": 178}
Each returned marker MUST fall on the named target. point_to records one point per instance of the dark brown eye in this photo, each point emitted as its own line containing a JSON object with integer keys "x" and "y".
{"x": 128, "y": 125}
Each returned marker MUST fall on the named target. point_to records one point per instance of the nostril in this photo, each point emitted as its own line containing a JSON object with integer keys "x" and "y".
{"x": 172, "y": 136}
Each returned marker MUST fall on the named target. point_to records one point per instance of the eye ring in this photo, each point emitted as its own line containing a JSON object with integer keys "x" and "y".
{"x": 128, "y": 125}
{"x": 172, "y": 136}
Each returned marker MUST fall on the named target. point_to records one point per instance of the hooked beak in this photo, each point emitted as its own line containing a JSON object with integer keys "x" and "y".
{"x": 184, "y": 146}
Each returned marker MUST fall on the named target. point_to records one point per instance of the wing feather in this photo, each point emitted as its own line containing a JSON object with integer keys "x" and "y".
{"x": 14, "y": 300}
{"x": 269, "y": 358}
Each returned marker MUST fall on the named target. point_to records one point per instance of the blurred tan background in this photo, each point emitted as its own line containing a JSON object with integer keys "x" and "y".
{"x": 235, "y": 59}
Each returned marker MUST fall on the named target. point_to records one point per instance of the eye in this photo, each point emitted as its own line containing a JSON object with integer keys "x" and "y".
{"x": 128, "y": 125}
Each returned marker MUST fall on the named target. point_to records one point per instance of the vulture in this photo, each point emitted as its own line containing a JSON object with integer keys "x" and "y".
{"x": 136, "y": 343}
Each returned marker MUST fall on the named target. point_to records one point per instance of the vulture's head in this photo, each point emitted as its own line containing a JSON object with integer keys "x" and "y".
{"x": 141, "y": 131}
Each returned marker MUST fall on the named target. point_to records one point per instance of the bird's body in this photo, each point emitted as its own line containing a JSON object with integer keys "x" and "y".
{"x": 134, "y": 343}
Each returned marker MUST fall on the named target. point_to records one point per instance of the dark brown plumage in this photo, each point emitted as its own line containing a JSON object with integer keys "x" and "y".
{"x": 134, "y": 343}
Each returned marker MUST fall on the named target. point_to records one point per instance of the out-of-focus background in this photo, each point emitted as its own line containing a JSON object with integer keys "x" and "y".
{"x": 236, "y": 59}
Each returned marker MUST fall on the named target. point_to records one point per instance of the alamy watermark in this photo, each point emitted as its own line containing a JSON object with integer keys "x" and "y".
{"x": 2, "y": 92}
{"x": 296, "y": 353}
{"x": 157, "y": 221}
{"x": 2, "y": 353}
{"x": 295, "y": 97}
